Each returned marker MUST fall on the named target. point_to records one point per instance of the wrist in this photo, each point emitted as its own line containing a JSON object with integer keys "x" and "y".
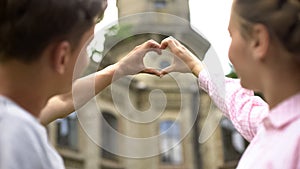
{"x": 197, "y": 68}
{"x": 115, "y": 71}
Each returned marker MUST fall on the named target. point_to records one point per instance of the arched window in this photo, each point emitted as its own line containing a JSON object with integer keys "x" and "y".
{"x": 108, "y": 138}
{"x": 170, "y": 137}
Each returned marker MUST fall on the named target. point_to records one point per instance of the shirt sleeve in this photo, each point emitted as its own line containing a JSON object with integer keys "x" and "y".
{"x": 241, "y": 106}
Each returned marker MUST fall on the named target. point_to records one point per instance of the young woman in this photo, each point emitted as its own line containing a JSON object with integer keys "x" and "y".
{"x": 265, "y": 53}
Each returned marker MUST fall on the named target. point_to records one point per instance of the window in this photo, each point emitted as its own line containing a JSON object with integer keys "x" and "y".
{"x": 170, "y": 137}
{"x": 108, "y": 138}
{"x": 67, "y": 132}
{"x": 163, "y": 64}
{"x": 233, "y": 143}
{"x": 160, "y": 4}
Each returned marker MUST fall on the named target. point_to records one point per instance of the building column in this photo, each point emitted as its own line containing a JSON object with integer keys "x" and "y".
{"x": 89, "y": 118}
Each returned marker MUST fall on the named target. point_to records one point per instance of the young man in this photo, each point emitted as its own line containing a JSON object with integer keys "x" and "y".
{"x": 39, "y": 45}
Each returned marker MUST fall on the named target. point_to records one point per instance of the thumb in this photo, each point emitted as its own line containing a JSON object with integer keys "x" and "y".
{"x": 166, "y": 70}
{"x": 151, "y": 71}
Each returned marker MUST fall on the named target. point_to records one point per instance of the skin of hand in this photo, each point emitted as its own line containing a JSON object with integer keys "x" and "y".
{"x": 184, "y": 62}
{"x": 60, "y": 106}
{"x": 132, "y": 63}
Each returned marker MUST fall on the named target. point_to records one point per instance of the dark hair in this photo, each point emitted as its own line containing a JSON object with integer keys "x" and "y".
{"x": 281, "y": 17}
{"x": 28, "y": 26}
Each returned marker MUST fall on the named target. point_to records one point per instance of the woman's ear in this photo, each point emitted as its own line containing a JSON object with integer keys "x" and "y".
{"x": 61, "y": 56}
{"x": 260, "y": 41}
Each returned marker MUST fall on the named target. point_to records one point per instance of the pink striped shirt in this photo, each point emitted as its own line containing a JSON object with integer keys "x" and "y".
{"x": 274, "y": 135}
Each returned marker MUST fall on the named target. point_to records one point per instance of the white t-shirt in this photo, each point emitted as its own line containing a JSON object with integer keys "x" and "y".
{"x": 23, "y": 140}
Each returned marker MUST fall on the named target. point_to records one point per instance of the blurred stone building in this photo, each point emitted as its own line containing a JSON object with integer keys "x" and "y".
{"x": 144, "y": 106}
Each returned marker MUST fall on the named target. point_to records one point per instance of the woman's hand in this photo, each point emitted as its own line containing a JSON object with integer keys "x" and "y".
{"x": 184, "y": 62}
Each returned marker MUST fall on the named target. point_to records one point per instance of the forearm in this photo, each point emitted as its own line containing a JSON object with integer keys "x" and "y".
{"x": 84, "y": 89}
{"x": 245, "y": 110}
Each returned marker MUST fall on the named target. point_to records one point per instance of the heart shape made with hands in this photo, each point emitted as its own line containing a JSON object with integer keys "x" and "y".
{"x": 163, "y": 63}
{"x": 157, "y": 61}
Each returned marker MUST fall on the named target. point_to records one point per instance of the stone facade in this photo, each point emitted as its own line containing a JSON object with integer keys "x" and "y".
{"x": 174, "y": 99}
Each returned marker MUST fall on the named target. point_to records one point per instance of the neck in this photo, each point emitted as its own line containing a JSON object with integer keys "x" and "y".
{"x": 282, "y": 85}
{"x": 24, "y": 85}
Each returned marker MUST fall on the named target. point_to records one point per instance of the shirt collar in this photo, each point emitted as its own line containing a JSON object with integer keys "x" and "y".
{"x": 284, "y": 113}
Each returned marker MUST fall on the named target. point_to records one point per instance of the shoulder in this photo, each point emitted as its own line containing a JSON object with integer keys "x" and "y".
{"x": 22, "y": 141}
{"x": 18, "y": 127}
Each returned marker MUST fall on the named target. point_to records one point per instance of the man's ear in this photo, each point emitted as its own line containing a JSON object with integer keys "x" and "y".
{"x": 260, "y": 41}
{"x": 61, "y": 56}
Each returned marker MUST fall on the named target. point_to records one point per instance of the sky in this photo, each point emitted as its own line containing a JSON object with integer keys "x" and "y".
{"x": 210, "y": 17}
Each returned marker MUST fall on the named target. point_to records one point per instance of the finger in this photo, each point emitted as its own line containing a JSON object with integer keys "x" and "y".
{"x": 151, "y": 71}
{"x": 152, "y": 44}
{"x": 170, "y": 43}
{"x": 166, "y": 70}
{"x": 175, "y": 41}
{"x": 164, "y": 44}
{"x": 157, "y": 50}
